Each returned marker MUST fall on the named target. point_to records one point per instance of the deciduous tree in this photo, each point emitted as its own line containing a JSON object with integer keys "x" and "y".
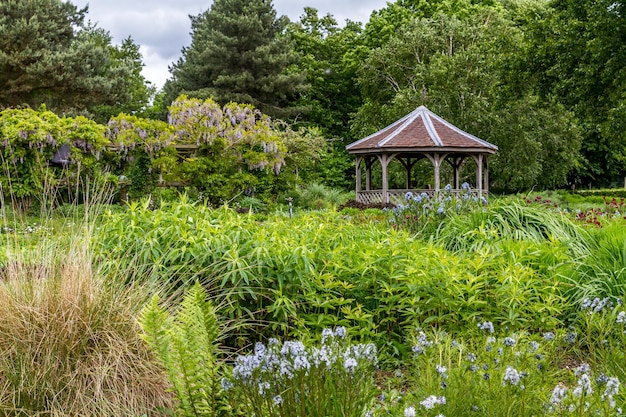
{"x": 577, "y": 54}
{"x": 459, "y": 68}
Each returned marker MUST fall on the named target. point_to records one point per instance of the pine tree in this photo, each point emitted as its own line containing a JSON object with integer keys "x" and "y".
{"x": 49, "y": 56}
{"x": 239, "y": 52}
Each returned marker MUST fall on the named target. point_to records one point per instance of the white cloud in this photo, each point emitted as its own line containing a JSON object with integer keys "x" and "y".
{"x": 161, "y": 27}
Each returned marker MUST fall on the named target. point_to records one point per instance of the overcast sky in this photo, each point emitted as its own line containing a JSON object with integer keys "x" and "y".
{"x": 161, "y": 27}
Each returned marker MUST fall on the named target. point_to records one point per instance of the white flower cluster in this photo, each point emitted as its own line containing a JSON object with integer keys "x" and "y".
{"x": 596, "y": 305}
{"x": 430, "y": 402}
{"x": 266, "y": 364}
{"x": 422, "y": 343}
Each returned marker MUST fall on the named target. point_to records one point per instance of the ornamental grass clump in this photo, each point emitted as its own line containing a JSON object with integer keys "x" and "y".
{"x": 69, "y": 342}
{"x": 292, "y": 379}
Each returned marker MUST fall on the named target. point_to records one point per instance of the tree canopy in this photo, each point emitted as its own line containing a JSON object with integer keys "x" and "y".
{"x": 49, "y": 56}
{"x": 239, "y": 52}
{"x": 576, "y": 53}
{"x": 544, "y": 81}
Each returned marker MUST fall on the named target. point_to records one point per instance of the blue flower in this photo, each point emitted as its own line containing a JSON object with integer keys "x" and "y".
{"x": 422, "y": 343}
{"x": 340, "y": 332}
{"x": 259, "y": 349}
{"x": 571, "y": 337}
{"x": 430, "y": 402}
{"x": 583, "y": 387}
{"x": 327, "y": 334}
{"x": 558, "y": 394}
{"x": 509, "y": 341}
{"x": 226, "y": 384}
{"x": 448, "y": 187}
{"x": 486, "y": 325}
{"x": 350, "y": 364}
{"x": 511, "y": 376}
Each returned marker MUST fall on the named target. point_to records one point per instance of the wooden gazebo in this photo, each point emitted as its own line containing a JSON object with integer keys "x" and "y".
{"x": 418, "y": 135}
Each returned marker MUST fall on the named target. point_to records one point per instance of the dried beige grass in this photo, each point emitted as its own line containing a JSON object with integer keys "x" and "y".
{"x": 69, "y": 340}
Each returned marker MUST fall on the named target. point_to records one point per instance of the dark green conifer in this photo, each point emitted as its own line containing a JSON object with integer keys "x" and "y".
{"x": 48, "y": 55}
{"x": 239, "y": 52}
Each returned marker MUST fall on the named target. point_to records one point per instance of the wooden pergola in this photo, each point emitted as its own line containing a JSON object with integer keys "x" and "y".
{"x": 418, "y": 135}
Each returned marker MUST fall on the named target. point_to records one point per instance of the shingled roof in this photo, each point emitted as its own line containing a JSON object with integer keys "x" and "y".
{"x": 421, "y": 130}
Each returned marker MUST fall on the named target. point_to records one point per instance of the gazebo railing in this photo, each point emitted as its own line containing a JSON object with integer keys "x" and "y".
{"x": 369, "y": 197}
{"x": 398, "y": 196}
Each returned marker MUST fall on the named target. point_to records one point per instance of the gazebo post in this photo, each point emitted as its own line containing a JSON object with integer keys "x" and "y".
{"x": 437, "y": 165}
{"x": 408, "y": 166}
{"x": 368, "y": 173}
{"x": 358, "y": 174}
{"x": 384, "y": 161}
{"x": 457, "y": 171}
{"x": 486, "y": 176}
{"x": 479, "y": 174}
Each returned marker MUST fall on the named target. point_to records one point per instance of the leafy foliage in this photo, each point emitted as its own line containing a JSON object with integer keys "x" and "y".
{"x": 574, "y": 54}
{"x": 31, "y": 138}
{"x": 316, "y": 270}
{"x": 186, "y": 344}
{"x": 329, "y": 62}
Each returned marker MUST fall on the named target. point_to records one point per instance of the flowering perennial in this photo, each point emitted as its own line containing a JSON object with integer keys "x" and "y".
{"x": 430, "y": 402}
{"x": 280, "y": 376}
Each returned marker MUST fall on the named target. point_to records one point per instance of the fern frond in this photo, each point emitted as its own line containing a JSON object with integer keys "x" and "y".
{"x": 154, "y": 322}
{"x": 186, "y": 344}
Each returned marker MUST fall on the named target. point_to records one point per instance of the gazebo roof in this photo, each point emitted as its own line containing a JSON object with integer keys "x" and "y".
{"x": 421, "y": 131}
